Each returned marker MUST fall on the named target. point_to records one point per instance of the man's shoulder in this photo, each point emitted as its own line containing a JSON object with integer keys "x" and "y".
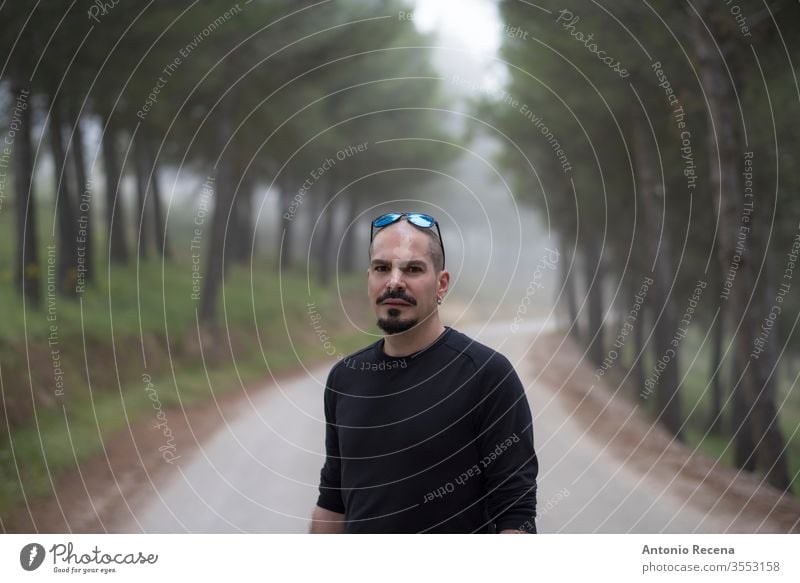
{"x": 363, "y": 353}
{"x": 484, "y": 357}
{"x": 367, "y": 351}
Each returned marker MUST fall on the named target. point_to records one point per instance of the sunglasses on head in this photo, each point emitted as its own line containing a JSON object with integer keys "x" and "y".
{"x": 417, "y": 219}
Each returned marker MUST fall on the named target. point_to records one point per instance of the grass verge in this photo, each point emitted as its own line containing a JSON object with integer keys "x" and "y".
{"x": 136, "y": 323}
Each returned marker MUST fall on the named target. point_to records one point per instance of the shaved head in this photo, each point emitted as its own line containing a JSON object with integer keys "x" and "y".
{"x": 434, "y": 244}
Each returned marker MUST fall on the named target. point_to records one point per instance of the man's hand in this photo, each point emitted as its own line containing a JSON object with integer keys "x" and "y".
{"x": 326, "y": 521}
{"x": 511, "y": 531}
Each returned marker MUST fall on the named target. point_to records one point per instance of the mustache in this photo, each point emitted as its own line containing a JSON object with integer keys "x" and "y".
{"x": 396, "y": 295}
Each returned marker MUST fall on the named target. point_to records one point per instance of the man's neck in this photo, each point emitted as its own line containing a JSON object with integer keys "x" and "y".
{"x": 414, "y": 340}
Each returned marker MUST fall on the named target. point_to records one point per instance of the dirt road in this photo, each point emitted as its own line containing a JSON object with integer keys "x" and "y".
{"x": 251, "y": 463}
{"x": 259, "y": 473}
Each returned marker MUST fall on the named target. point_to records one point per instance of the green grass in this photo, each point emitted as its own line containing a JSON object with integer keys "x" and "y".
{"x": 693, "y": 394}
{"x": 696, "y": 402}
{"x": 114, "y": 302}
{"x": 55, "y": 440}
{"x": 104, "y": 333}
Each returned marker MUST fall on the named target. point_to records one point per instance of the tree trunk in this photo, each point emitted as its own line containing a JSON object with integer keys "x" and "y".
{"x": 348, "y": 259}
{"x": 317, "y": 198}
{"x": 741, "y": 426}
{"x": 715, "y": 420}
{"x": 327, "y": 248}
{"x": 726, "y": 150}
{"x": 224, "y": 191}
{"x": 28, "y": 268}
{"x": 770, "y": 445}
{"x": 154, "y": 171}
{"x": 638, "y": 338}
{"x": 144, "y": 225}
{"x": 115, "y": 210}
{"x": 84, "y": 190}
{"x": 65, "y": 209}
{"x": 241, "y": 229}
{"x": 593, "y": 271}
{"x": 665, "y": 323}
{"x": 570, "y": 286}
{"x": 288, "y": 217}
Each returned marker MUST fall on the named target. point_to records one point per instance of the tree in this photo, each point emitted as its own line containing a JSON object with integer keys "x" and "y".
{"x": 65, "y": 204}
{"x": 19, "y": 64}
{"x": 749, "y": 302}
{"x": 27, "y": 267}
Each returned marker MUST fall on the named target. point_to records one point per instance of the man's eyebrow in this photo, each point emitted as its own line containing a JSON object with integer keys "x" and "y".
{"x": 416, "y": 262}
{"x": 410, "y": 262}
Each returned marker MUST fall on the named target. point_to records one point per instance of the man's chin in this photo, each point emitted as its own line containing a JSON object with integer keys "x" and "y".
{"x": 395, "y": 325}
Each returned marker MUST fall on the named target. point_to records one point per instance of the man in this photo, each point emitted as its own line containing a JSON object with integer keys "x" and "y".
{"x": 426, "y": 429}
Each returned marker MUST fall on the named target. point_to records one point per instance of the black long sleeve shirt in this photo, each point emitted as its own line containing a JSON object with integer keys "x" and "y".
{"x": 439, "y": 441}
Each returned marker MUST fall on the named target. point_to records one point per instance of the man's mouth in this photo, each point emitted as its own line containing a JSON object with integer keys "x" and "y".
{"x": 396, "y": 299}
{"x": 395, "y": 303}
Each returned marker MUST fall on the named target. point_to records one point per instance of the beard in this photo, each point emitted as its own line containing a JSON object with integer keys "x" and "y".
{"x": 394, "y": 325}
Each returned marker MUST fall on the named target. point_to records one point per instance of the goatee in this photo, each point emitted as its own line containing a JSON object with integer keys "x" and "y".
{"x": 394, "y": 325}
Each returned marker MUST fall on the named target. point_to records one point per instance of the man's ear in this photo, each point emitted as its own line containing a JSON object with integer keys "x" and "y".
{"x": 444, "y": 281}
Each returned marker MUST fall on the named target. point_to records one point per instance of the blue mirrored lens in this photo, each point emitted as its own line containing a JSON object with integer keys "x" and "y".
{"x": 386, "y": 219}
{"x": 421, "y": 220}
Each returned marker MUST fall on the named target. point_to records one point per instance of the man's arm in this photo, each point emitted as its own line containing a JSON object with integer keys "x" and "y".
{"x": 505, "y": 443}
{"x": 325, "y": 521}
{"x": 328, "y": 515}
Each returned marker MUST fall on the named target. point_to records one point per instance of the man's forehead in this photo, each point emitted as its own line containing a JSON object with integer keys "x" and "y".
{"x": 401, "y": 236}
{"x": 402, "y": 243}
{"x": 400, "y": 254}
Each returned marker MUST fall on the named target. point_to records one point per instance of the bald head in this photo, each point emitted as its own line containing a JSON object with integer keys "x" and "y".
{"x": 406, "y": 233}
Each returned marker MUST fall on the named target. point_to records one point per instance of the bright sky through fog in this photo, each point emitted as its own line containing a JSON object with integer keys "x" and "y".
{"x": 471, "y": 23}
{"x": 472, "y": 26}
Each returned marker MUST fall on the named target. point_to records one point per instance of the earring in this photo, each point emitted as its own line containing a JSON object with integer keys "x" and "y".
{"x": 439, "y": 301}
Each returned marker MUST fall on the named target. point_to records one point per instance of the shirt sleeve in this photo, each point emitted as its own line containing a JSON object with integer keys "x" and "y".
{"x": 330, "y": 483}
{"x": 505, "y": 441}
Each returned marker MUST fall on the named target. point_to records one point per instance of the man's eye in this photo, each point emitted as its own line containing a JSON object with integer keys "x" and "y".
{"x": 380, "y": 268}
{"x": 414, "y": 268}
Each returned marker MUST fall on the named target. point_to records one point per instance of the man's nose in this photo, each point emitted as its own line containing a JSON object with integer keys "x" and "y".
{"x": 396, "y": 278}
